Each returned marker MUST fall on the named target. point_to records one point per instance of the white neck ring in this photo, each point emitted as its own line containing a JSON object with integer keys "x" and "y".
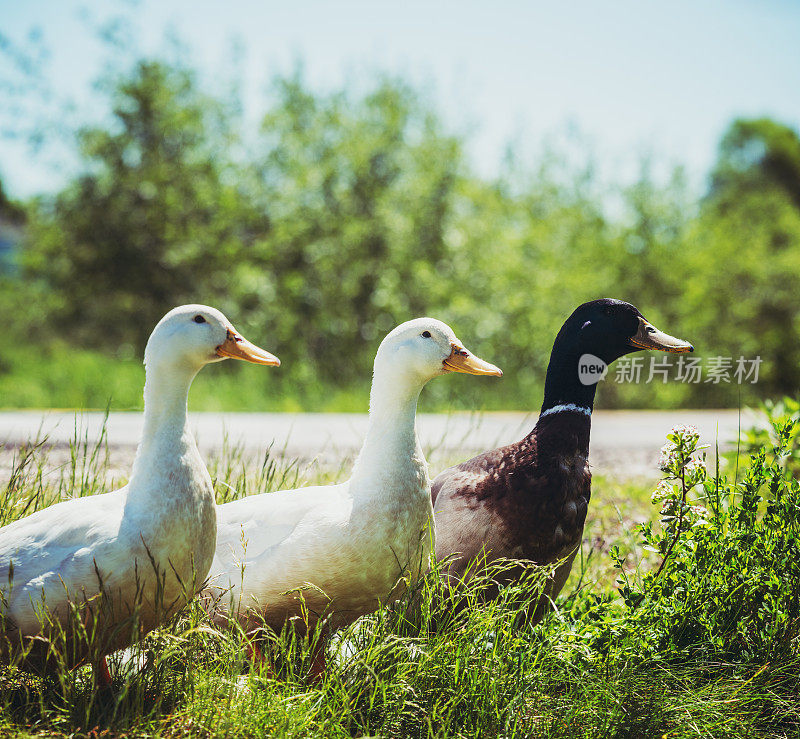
{"x": 567, "y": 407}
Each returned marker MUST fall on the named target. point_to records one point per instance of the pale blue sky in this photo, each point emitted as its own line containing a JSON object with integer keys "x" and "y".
{"x": 634, "y": 75}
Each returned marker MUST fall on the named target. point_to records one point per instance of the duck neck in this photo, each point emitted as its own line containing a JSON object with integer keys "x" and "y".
{"x": 165, "y": 435}
{"x": 562, "y": 385}
{"x": 391, "y": 445}
{"x": 565, "y": 418}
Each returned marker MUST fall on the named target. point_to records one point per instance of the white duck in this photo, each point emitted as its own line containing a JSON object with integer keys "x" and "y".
{"x": 351, "y": 542}
{"x": 150, "y": 542}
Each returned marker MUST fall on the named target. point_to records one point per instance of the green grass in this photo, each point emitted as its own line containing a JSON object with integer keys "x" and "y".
{"x": 418, "y": 668}
{"x": 58, "y": 375}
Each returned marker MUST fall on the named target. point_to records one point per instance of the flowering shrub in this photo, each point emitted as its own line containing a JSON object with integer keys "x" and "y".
{"x": 728, "y": 584}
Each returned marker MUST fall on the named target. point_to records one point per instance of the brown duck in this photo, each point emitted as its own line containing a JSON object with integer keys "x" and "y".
{"x": 528, "y": 500}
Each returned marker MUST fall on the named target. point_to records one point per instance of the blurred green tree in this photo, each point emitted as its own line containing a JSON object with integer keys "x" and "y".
{"x": 754, "y": 155}
{"x": 744, "y": 255}
{"x": 10, "y": 211}
{"x": 350, "y": 212}
{"x": 359, "y": 191}
{"x": 155, "y": 220}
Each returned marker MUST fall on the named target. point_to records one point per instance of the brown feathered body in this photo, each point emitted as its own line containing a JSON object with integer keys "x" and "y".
{"x": 527, "y": 500}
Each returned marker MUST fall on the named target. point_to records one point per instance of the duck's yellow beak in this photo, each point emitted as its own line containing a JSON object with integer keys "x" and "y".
{"x": 649, "y": 337}
{"x": 460, "y": 360}
{"x": 236, "y": 346}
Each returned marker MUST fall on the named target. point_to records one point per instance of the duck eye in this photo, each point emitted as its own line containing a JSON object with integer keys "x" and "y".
{"x": 426, "y": 334}
{"x": 199, "y": 319}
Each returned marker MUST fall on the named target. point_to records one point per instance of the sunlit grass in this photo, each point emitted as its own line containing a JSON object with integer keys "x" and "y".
{"x": 64, "y": 376}
{"x": 419, "y": 668}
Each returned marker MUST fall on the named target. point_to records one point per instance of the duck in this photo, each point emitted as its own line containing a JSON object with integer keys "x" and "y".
{"x": 345, "y": 548}
{"x": 124, "y": 561}
{"x": 528, "y": 500}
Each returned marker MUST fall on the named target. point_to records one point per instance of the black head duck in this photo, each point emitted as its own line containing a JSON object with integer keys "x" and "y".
{"x": 528, "y": 500}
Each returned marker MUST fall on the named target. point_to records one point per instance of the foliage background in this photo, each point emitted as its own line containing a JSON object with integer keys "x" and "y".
{"x": 348, "y": 212}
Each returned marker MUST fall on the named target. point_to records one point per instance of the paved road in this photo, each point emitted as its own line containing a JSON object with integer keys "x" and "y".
{"x": 624, "y": 443}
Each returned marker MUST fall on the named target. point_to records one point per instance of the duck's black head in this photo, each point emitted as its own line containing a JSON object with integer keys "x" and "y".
{"x": 609, "y": 329}
{"x": 605, "y": 329}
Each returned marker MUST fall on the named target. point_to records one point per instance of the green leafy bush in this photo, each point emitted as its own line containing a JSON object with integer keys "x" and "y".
{"x": 728, "y": 585}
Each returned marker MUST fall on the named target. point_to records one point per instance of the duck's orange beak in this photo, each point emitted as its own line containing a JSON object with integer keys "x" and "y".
{"x": 460, "y": 360}
{"x": 236, "y": 346}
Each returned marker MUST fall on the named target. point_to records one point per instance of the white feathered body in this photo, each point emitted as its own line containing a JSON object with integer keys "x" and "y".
{"x": 118, "y": 564}
{"x": 346, "y": 547}
{"x": 150, "y": 543}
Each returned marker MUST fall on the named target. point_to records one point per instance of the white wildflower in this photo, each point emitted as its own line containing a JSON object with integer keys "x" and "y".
{"x": 695, "y": 471}
{"x": 663, "y": 490}
{"x": 686, "y": 432}
{"x": 668, "y": 459}
{"x": 668, "y": 507}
